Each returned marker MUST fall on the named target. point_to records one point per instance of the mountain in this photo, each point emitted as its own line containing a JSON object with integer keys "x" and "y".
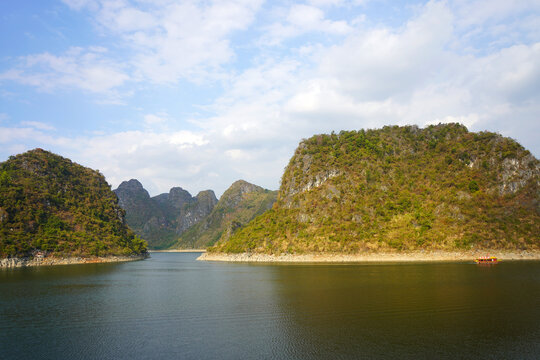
{"x": 144, "y": 215}
{"x": 237, "y": 206}
{"x": 161, "y": 219}
{"x": 400, "y": 188}
{"x": 50, "y": 204}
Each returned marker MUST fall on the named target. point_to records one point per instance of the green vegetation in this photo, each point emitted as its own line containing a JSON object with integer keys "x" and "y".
{"x": 50, "y": 204}
{"x": 400, "y": 188}
{"x": 237, "y": 206}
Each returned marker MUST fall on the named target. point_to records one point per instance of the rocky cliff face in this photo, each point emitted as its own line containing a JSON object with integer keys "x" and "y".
{"x": 161, "y": 219}
{"x": 237, "y": 206}
{"x": 195, "y": 210}
{"x": 401, "y": 188}
{"x": 139, "y": 207}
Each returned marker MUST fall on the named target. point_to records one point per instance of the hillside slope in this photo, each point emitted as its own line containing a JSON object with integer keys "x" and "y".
{"x": 50, "y": 204}
{"x": 161, "y": 219}
{"x": 400, "y": 188}
{"x": 238, "y": 205}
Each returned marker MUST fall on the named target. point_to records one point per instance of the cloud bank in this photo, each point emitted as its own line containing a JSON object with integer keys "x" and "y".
{"x": 286, "y": 71}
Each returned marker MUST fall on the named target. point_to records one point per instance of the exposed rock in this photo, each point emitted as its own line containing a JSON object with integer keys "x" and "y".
{"x": 162, "y": 218}
{"x": 179, "y": 198}
{"x": 314, "y": 181}
{"x": 47, "y": 261}
{"x": 515, "y": 173}
{"x": 3, "y": 215}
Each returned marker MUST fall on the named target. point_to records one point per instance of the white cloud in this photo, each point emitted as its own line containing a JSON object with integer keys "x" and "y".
{"x": 320, "y": 3}
{"x": 29, "y": 135}
{"x": 38, "y": 125}
{"x": 426, "y": 70}
{"x": 160, "y": 160}
{"x": 85, "y": 69}
{"x": 309, "y": 18}
{"x": 406, "y": 75}
{"x": 78, "y": 4}
{"x": 238, "y": 154}
{"x": 161, "y": 42}
{"x": 374, "y": 64}
{"x": 186, "y": 139}
{"x": 496, "y": 23}
{"x": 178, "y": 39}
{"x": 478, "y": 12}
{"x": 151, "y": 119}
{"x": 302, "y": 19}
{"x": 119, "y": 17}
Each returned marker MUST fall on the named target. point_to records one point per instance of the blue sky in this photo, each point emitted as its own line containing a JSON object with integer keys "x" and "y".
{"x": 199, "y": 94}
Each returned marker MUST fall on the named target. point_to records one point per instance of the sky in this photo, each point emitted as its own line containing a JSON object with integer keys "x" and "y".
{"x": 199, "y": 94}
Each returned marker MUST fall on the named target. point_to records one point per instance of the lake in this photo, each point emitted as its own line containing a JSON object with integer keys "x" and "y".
{"x": 171, "y": 306}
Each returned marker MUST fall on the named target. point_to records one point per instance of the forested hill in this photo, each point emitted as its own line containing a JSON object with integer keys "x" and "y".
{"x": 238, "y": 205}
{"x": 50, "y": 204}
{"x": 401, "y": 188}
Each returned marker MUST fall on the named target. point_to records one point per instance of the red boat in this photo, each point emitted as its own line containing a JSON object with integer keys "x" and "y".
{"x": 486, "y": 260}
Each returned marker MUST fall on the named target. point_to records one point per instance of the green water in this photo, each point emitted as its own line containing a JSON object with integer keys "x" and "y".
{"x": 173, "y": 307}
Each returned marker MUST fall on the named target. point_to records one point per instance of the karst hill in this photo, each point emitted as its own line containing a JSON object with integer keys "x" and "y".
{"x": 50, "y": 205}
{"x": 400, "y": 188}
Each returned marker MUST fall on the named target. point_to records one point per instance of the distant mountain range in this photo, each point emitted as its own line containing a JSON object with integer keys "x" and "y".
{"x": 161, "y": 219}
{"x": 179, "y": 220}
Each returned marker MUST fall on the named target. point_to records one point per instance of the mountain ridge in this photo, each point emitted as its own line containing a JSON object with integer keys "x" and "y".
{"x": 161, "y": 219}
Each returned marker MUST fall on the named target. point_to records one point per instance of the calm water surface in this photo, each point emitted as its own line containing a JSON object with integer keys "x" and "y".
{"x": 173, "y": 307}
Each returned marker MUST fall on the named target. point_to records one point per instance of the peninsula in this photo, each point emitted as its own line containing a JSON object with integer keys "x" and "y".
{"x": 438, "y": 193}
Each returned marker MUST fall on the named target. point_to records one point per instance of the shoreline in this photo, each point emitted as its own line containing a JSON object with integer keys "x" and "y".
{"x": 9, "y": 263}
{"x": 178, "y": 251}
{"x": 404, "y": 257}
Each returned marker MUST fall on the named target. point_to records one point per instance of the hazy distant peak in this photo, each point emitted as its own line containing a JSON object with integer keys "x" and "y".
{"x": 132, "y": 184}
{"x": 178, "y": 197}
{"x": 207, "y": 194}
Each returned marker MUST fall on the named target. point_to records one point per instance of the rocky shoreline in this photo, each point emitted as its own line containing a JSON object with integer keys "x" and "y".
{"x": 178, "y": 251}
{"x": 413, "y": 256}
{"x": 51, "y": 260}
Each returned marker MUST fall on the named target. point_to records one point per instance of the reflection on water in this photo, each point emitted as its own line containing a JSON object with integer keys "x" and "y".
{"x": 412, "y": 311}
{"x": 171, "y": 306}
